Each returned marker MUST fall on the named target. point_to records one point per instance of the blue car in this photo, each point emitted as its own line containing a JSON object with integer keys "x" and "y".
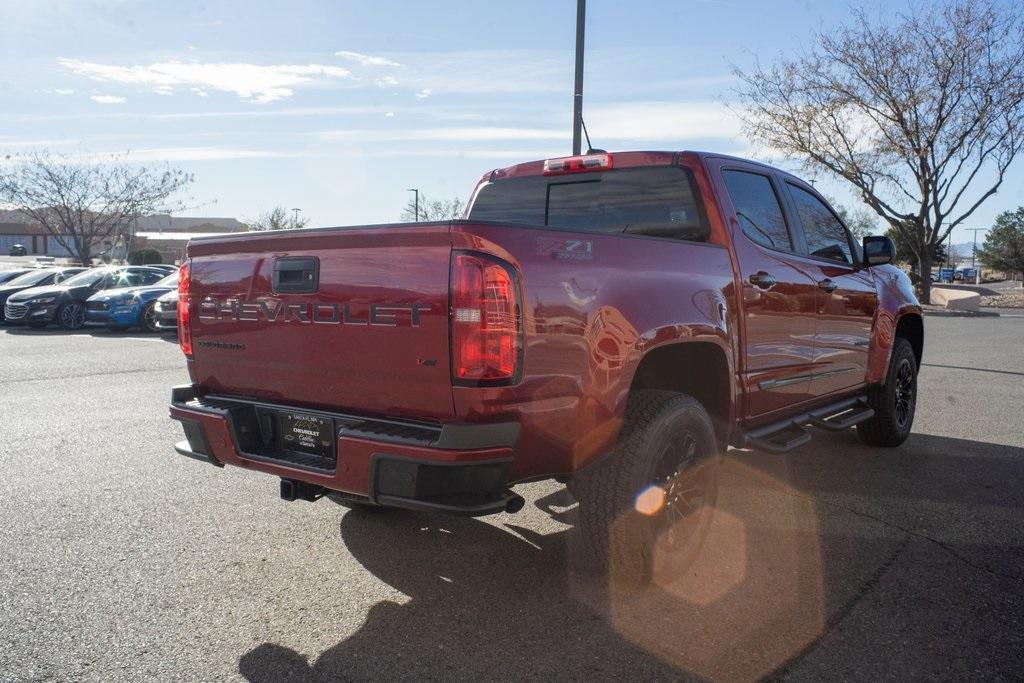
{"x": 127, "y": 307}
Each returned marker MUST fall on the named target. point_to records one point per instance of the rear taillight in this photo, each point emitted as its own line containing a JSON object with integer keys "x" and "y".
{"x": 184, "y": 324}
{"x": 486, "y": 327}
{"x": 579, "y": 164}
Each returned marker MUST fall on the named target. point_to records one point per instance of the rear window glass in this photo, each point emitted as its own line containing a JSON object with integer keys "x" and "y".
{"x": 658, "y": 201}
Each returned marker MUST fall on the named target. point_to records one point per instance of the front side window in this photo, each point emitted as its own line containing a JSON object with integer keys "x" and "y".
{"x": 826, "y": 237}
{"x": 757, "y": 209}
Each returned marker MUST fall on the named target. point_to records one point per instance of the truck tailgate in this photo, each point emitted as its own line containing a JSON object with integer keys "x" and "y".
{"x": 370, "y": 335}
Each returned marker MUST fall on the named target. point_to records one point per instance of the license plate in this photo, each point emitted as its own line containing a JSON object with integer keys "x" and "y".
{"x": 308, "y": 434}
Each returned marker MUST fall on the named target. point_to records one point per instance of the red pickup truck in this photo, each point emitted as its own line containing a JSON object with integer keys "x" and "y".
{"x": 613, "y": 321}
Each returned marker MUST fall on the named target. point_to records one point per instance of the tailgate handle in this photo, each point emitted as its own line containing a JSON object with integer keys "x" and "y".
{"x": 296, "y": 274}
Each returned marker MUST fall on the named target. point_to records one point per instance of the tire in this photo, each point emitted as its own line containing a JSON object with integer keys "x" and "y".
{"x": 148, "y": 319}
{"x": 71, "y": 316}
{"x": 647, "y": 506}
{"x": 894, "y": 401}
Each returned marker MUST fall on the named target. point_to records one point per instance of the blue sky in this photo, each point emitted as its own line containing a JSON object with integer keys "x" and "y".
{"x": 338, "y": 107}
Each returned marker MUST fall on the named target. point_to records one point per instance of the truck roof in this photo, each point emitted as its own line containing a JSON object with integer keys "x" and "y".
{"x": 623, "y": 159}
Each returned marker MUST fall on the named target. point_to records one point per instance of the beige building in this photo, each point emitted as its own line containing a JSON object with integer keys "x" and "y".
{"x": 167, "y": 234}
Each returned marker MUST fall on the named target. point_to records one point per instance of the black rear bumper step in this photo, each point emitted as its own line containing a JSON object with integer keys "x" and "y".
{"x": 788, "y": 434}
{"x": 454, "y": 436}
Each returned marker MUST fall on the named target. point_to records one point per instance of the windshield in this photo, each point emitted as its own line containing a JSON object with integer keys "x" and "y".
{"x": 169, "y": 281}
{"x": 34, "y": 277}
{"x": 89, "y": 277}
{"x": 649, "y": 200}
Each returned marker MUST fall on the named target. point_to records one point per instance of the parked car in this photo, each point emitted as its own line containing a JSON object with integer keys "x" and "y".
{"x": 166, "y": 267}
{"x": 18, "y": 250}
{"x": 609, "y": 320}
{"x": 8, "y": 275}
{"x": 126, "y": 307}
{"x": 34, "y": 278}
{"x": 167, "y": 312}
{"x": 64, "y": 304}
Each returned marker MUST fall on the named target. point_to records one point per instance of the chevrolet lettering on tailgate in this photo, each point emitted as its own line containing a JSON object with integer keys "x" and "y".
{"x": 348, "y": 313}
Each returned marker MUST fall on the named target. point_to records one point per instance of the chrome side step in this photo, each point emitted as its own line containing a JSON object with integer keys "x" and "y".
{"x": 788, "y": 434}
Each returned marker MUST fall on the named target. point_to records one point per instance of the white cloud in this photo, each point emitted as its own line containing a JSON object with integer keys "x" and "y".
{"x": 107, "y": 99}
{"x": 250, "y": 82}
{"x": 424, "y": 94}
{"x": 365, "y": 60}
{"x": 386, "y": 81}
{"x": 59, "y": 91}
{"x": 654, "y": 121}
{"x": 198, "y": 154}
{"x": 389, "y": 115}
{"x": 467, "y": 134}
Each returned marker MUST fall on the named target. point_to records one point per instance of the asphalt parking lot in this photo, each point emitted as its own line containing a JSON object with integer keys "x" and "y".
{"x": 124, "y": 561}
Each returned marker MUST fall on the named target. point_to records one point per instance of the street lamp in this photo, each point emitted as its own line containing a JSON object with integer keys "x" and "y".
{"x": 416, "y": 205}
{"x": 577, "y": 91}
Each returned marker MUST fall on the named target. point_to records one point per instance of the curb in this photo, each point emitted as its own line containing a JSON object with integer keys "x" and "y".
{"x": 951, "y": 313}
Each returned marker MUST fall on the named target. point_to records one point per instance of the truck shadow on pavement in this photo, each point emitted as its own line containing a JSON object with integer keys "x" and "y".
{"x": 838, "y": 560}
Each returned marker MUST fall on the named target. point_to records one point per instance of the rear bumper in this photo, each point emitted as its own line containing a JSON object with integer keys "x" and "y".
{"x": 453, "y": 468}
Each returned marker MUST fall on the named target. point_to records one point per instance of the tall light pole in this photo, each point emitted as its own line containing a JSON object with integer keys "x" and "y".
{"x": 974, "y": 254}
{"x": 577, "y": 96}
{"x": 416, "y": 205}
{"x": 295, "y": 217}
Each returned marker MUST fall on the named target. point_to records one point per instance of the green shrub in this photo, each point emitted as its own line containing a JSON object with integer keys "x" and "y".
{"x": 143, "y": 257}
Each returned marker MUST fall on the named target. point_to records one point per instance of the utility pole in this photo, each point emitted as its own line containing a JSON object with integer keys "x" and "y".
{"x": 577, "y": 97}
{"x": 295, "y": 217}
{"x": 416, "y": 206}
{"x": 974, "y": 254}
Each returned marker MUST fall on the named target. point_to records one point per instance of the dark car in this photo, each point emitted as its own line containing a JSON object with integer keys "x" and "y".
{"x": 8, "y": 275}
{"x": 64, "y": 304}
{"x": 34, "y": 278}
{"x": 18, "y": 250}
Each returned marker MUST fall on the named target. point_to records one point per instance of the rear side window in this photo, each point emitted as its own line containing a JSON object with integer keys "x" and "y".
{"x": 826, "y": 237}
{"x": 757, "y": 209}
{"x": 660, "y": 201}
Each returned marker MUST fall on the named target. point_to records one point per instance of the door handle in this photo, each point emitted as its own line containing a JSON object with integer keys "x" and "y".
{"x": 763, "y": 280}
{"x": 828, "y": 285}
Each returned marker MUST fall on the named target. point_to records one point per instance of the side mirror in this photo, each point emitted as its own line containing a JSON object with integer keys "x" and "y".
{"x": 878, "y": 249}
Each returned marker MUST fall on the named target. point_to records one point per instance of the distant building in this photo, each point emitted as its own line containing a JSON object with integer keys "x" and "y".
{"x": 167, "y": 234}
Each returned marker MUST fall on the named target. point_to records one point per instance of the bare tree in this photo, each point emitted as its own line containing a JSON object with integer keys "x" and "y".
{"x": 83, "y": 203}
{"x": 436, "y": 210}
{"x": 861, "y": 221}
{"x": 277, "y": 218}
{"x": 923, "y": 115}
